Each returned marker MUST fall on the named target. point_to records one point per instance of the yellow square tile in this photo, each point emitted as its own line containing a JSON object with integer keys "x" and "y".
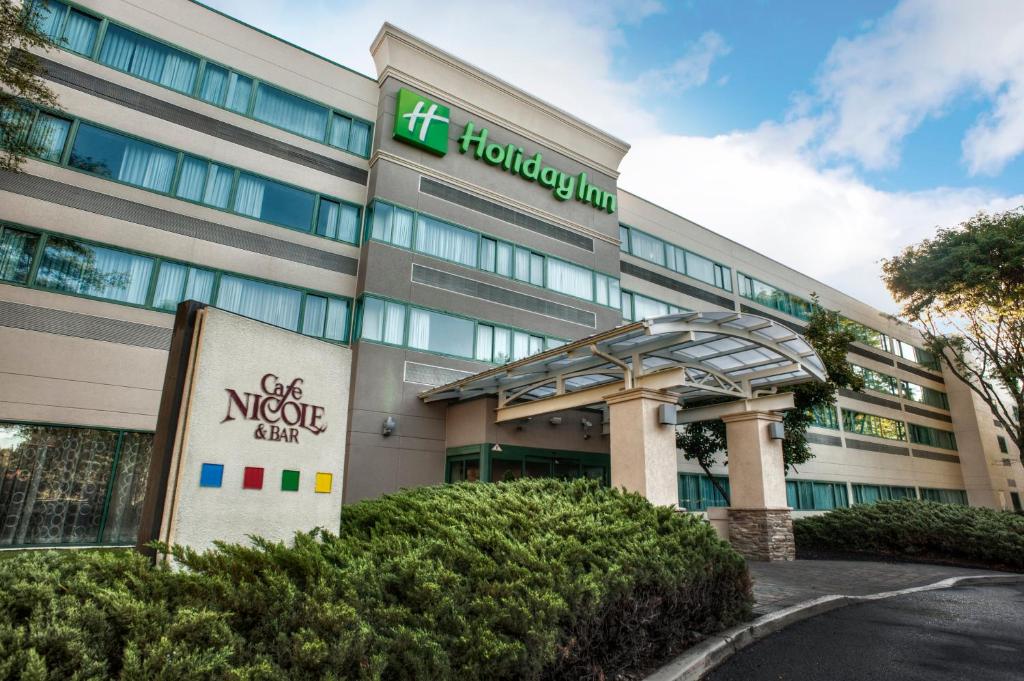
{"x": 324, "y": 482}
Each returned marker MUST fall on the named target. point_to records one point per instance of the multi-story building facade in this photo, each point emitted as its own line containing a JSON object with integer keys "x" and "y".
{"x": 247, "y": 173}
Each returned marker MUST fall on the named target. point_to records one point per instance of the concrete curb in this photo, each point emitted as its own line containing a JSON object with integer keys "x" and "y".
{"x": 705, "y": 656}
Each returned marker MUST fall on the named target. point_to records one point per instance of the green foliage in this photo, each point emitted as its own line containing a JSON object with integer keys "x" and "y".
{"x": 533, "y": 579}
{"x": 920, "y": 530}
{"x": 702, "y": 441}
{"x": 21, "y": 88}
{"x": 964, "y": 290}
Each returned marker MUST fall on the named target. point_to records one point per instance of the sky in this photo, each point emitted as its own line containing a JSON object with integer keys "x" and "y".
{"x": 825, "y": 135}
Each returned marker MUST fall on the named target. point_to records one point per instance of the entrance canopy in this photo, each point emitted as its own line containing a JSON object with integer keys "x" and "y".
{"x": 692, "y": 355}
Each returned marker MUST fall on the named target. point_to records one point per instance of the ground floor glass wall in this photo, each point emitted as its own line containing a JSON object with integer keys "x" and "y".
{"x": 70, "y": 485}
{"x": 482, "y": 463}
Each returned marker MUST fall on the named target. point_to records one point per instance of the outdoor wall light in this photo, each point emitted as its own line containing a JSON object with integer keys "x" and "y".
{"x": 555, "y": 420}
{"x": 389, "y": 426}
{"x": 586, "y": 423}
{"x": 776, "y": 431}
{"x": 496, "y": 447}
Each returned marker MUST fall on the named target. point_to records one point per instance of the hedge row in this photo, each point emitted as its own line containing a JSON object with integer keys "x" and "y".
{"x": 532, "y": 579}
{"x": 918, "y": 530}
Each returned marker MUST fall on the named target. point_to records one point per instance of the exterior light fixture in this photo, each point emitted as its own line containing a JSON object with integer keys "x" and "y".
{"x": 555, "y": 420}
{"x": 776, "y": 431}
{"x": 496, "y": 447}
{"x": 389, "y": 426}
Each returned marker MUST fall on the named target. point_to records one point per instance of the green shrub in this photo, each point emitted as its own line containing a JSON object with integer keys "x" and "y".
{"x": 533, "y": 579}
{"x": 919, "y": 530}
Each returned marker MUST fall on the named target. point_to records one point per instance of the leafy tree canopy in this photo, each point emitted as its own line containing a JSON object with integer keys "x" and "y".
{"x": 21, "y": 87}
{"x": 703, "y": 441}
{"x": 964, "y": 290}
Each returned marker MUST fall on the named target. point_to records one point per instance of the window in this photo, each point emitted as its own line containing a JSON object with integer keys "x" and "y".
{"x": 1002, "y": 444}
{"x": 350, "y": 134}
{"x": 338, "y": 221}
{"x": 606, "y": 290}
{"x": 132, "y": 53}
{"x": 647, "y": 247}
{"x": 69, "y": 28}
{"x": 274, "y": 202}
{"x": 570, "y": 279}
{"x": 441, "y": 333}
{"x": 699, "y": 493}
{"x": 529, "y": 266}
{"x": 85, "y": 269}
{"x": 17, "y": 249}
{"x": 919, "y": 393}
{"x": 48, "y": 136}
{"x": 932, "y": 437}
{"x": 824, "y": 417}
{"x": 446, "y": 241}
{"x": 636, "y": 307}
{"x": 226, "y": 89}
{"x": 177, "y": 282}
{"x": 876, "y": 381}
{"x": 769, "y": 296}
{"x": 118, "y": 157}
{"x": 205, "y": 182}
{"x": 875, "y": 426}
{"x": 290, "y": 112}
{"x": 68, "y": 485}
{"x": 808, "y": 495}
{"x": 945, "y": 496}
{"x": 869, "y": 494}
{"x": 383, "y": 321}
{"x": 325, "y": 317}
{"x": 392, "y": 225}
{"x": 623, "y": 238}
{"x": 270, "y": 303}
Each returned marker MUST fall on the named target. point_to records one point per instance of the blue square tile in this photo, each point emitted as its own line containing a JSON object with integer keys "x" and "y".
{"x": 211, "y": 475}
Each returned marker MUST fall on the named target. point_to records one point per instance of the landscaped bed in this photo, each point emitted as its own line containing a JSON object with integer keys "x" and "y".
{"x": 916, "y": 530}
{"x": 533, "y": 579}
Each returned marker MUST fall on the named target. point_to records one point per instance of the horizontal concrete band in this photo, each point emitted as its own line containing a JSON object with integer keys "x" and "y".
{"x": 821, "y": 439}
{"x": 863, "y": 352}
{"x": 870, "y": 399}
{"x": 930, "y": 414}
{"x": 869, "y": 446}
{"x": 497, "y": 294}
{"x": 924, "y": 373}
{"x": 130, "y": 211}
{"x": 682, "y": 287}
{"x": 799, "y": 328}
{"x": 513, "y": 217}
{"x": 64, "y": 323}
{"x": 126, "y": 97}
{"x": 935, "y": 456}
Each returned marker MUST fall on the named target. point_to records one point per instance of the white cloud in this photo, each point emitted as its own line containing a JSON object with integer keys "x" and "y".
{"x": 762, "y": 187}
{"x": 915, "y": 63}
{"x": 690, "y": 70}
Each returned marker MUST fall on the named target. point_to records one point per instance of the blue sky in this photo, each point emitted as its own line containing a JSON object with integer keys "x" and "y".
{"x": 827, "y": 135}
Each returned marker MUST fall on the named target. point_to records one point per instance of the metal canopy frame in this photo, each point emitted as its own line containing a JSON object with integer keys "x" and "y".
{"x": 694, "y": 355}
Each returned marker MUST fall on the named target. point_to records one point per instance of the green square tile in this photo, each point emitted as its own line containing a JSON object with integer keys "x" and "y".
{"x": 289, "y": 481}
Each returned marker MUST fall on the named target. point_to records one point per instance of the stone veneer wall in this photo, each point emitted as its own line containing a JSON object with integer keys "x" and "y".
{"x": 762, "y": 534}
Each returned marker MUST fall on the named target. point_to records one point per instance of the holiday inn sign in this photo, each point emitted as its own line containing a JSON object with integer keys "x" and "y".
{"x": 424, "y": 124}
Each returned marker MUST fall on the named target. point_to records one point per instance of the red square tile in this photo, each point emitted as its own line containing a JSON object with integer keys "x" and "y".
{"x": 253, "y": 478}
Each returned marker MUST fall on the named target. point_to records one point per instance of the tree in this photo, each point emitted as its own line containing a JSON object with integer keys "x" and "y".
{"x": 702, "y": 441}
{"x": 964, "y": 291}
{"x": 21, "y": 87}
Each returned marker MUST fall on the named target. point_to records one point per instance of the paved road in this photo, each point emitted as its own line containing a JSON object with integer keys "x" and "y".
{"x": 971, "y": 633}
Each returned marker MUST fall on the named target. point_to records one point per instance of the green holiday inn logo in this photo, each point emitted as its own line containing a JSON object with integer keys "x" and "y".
{"x": 424, "y": 124}
{"x": 421, "y": 122}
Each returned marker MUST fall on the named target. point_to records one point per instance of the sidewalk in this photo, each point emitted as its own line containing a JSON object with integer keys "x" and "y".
{"x": 780, "y": 585}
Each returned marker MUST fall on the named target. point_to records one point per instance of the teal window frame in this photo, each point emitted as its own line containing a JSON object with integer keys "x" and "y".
{"x": 316, "y": 198}
{"x": 545, "y": 342}
{"x": 944, "y": 496}
{"x": 332, "y": 113}
{"x": 1003, "y": 446}
{"x": 673, "y": 257}
{"x": 882, "y": 492}
{"x": 902, "y": 349}
{"x": 698, "y": 493}
{"x": 891, "y": 385}
{"x": 109, "y": 492}
{"x": 778, "y": 299}
{"x": 535, "y": 275}
{"x": 824, "y": 416}
{"x": 872, "y": 425}
{"x": 629, "y": 305}
{"x": 154, "y": 276}
{"x": 932, "y": 437}
{"x": 816, "y": 495}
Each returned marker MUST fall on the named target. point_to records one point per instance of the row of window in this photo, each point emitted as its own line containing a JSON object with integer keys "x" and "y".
{"x": 775, "y": 298}
{"x": 121, "y": 158}
{"x": 58, "y": 263}
{"x": 884, "y": 383}
{"x": 396, "y": 323}
{"x": 660, "y": 252}
{"x": 698, "y": 493}
{"x": 636, "y": 307}
{"x": 120, "y": 48}
{"x": 893, "y": 429}
{"x": 879, "y": 340}
{"x": 428, "y": 235}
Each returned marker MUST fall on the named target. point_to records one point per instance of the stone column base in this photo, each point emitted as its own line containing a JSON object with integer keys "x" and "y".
{"x": 762, "y": 534}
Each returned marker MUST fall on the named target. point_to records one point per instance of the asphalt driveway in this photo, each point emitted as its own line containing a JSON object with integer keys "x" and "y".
{"x": 969, "y": 633}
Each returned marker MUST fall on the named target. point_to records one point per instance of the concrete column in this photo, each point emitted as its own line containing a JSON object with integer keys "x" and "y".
{"x": 643, "y": 452}
{"x": 760, "y": 520}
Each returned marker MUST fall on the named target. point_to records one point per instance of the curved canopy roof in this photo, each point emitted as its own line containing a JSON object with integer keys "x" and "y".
{"x": 695, "y": 355}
